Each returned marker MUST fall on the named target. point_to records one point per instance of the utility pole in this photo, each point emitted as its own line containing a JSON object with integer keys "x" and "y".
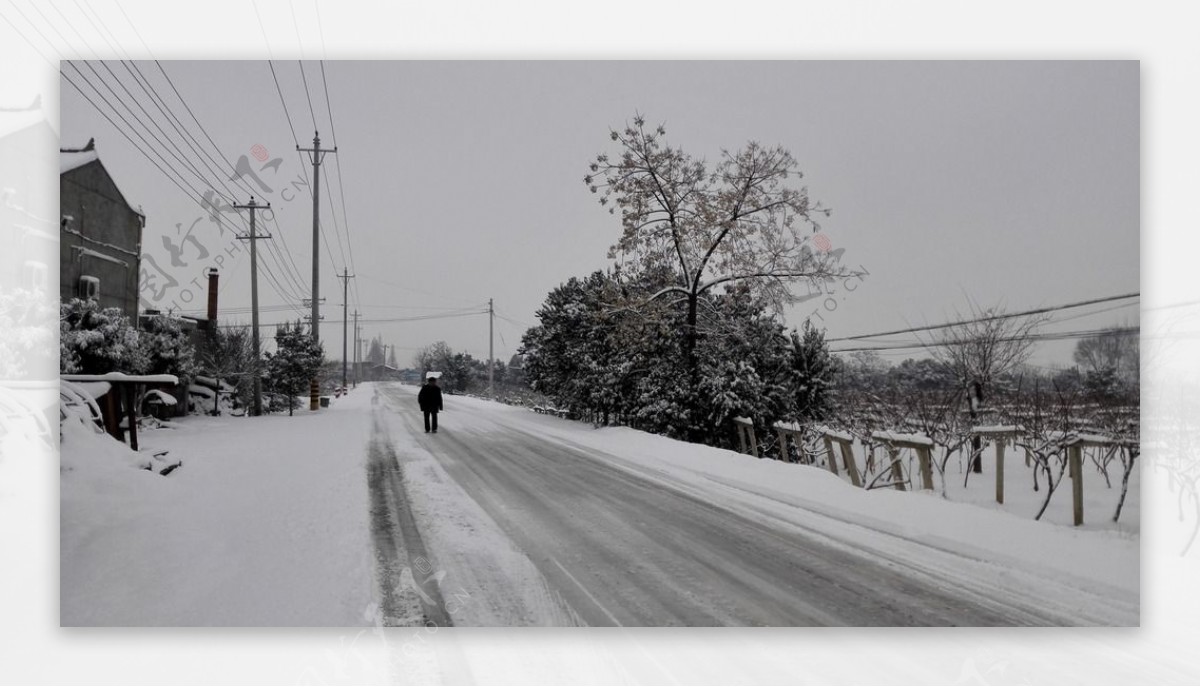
{"x": 356, "y": 349}
{"x": 345, "y": 276}
{"x": 491, "y": 353}
{"x": 317, "y": 154}
{"x": 253, "y": 239}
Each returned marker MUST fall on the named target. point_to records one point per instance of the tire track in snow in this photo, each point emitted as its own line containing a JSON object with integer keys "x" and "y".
{"x": 405, "y": 599}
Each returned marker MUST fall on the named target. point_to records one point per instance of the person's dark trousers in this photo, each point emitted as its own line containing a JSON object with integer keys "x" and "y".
{"x": 429, "y": 415}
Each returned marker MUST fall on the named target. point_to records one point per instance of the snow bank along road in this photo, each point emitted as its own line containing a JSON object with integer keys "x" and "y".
{"x": 509, "y": 518}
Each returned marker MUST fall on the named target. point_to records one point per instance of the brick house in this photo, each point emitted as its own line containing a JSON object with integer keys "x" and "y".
{"x": 100, "y": 242}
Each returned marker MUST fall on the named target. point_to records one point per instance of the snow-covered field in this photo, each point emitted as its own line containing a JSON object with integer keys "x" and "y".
{"x": 269, "y": 522}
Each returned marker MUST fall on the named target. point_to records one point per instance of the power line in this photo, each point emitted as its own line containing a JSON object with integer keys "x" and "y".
{"x": 70, "y": 25}
{"x": 296, "y": 140}
{"x": 287, "y": 268}
{"x": 201, "y": 154}
{"x": 179, "y": 181}
{"x": 53, "y": 48}
{"x": 171, "y": 175}
{"x": 387, "y": 320}
{"x": 304, "y": 78}
{"x": 103, "y": 34}
{"x": 338, "y": 164}
{"x": 1046, "y": 336}
{"x": 989, "y": 318}
{"x": 132, "y": 26}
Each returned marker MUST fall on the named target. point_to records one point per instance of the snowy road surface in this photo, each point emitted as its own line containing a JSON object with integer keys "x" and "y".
{"x": 502, "y": 519}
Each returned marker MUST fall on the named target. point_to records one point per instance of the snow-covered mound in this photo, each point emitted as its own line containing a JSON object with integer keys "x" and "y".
{"x": 86, "y": 449}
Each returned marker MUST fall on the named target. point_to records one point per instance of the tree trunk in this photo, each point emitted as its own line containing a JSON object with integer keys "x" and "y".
{"x": 692, "y": 363}
{"x": 976, "y": 441}
{"x": 1133, "y": 452}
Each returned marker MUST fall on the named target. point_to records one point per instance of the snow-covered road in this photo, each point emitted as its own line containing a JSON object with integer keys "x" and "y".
{"x": 516, "y": 520}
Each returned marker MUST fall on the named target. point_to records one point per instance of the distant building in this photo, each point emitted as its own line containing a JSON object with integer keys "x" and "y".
{"x": 100, "y": 242}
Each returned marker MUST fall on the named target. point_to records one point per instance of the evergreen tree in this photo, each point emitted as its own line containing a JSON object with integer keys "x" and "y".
{"x": 296, "y": 360}
{"x": 813, "y": 371}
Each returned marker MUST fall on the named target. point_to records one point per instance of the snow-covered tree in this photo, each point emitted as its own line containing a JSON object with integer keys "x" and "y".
{"x": 229, "y": 355}
{"x": 626, "y": 364}
{"x": 95, "y": 340}
{"x": 813, "y": 370}
{"x": 738, "y": 221}
{"x": 167, "y": 347}
{"x": 295, "y": 362}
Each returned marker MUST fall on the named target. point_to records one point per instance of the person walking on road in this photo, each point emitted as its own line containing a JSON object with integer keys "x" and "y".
{"x": 430, "y": 400}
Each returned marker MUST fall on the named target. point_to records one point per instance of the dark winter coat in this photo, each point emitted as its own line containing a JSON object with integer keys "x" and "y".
{"x": 430, "y": 398}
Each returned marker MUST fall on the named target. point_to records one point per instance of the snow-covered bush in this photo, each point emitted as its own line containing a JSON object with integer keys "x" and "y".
{"x": 167, "y": 348}
{"x": 95, "y": 340}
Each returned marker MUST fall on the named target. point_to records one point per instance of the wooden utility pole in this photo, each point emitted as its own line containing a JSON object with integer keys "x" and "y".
{"x": 356, "y": 348}
{"x": 345, "y": 276}
{"x": 491, "y": 351}
{"x": 253, "y": 238}
{"x": 317, "y": 154}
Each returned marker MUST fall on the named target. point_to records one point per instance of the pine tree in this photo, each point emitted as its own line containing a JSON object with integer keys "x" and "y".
{"x": 296, "y": 360}
{"x": 813, "y": 371}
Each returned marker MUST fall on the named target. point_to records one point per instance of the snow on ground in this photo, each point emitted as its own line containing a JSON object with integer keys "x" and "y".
{"x": 1099, "y": 557}
{"x": 266, "y": 523}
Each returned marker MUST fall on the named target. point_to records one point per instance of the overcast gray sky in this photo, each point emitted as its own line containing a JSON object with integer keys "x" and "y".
{"x": 1013, "y": 183}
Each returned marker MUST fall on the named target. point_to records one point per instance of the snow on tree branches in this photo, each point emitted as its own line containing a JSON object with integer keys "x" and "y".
{"x": 296, "y": 361}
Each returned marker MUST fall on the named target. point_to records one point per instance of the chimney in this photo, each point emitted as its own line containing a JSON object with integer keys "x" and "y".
{"x": 212, "y": 297}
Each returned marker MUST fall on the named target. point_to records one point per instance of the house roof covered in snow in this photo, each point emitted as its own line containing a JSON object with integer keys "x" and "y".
{"x": 71, "y": 159}
{"x": 74, "y": 159}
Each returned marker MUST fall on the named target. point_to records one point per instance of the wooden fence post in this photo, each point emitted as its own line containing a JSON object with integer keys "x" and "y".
{"x": 851, "y": 466}
{"x": 783, "y": 447}
{"x": 131, "y": 414}
{"x": 1075, "y": 456}
{"x": 897, "y": 472}
{"x": 831, "y": 460}
{"x": 1000, "y": 471}
{"x": 926, "y": 468}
